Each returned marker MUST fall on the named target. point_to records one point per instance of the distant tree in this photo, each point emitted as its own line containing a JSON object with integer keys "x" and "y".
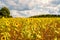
{"x": 5, "y": 12}
{"x": 47, "y": 15}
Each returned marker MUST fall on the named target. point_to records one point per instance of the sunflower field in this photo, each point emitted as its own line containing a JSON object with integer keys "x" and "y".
{"x": 30, "y": 29}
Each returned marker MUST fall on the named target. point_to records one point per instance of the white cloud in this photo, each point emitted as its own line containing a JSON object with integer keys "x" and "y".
{"x": 27, "y": 13}
{"x": 32, "y": 7}
{"x": 11, "y": 2}
{"x": 2, "y": 4}
{"x": 16, "y": 13}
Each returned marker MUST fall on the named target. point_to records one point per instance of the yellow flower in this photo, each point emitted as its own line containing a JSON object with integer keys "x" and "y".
{"x": 3, "y": 38}
{"x": 39, "y": 36}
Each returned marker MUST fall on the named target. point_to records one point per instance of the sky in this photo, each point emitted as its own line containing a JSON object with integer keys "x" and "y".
{"x": 27, "y": 8}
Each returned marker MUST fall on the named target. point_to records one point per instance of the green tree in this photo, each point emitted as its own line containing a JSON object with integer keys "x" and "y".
{"x": 5, "y": 12}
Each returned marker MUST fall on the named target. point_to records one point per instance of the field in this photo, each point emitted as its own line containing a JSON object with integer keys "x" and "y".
{"x": 30, "y": 28}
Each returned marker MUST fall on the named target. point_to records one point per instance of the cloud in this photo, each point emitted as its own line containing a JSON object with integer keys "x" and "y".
{"x": 55, "y": 2}
{"x": 27, "y": 13}
{"x": 26, "y": 8}
{"x": 2, "y": 4}
{"x": 16, "y": 13}
{"x": 16, "y": 4}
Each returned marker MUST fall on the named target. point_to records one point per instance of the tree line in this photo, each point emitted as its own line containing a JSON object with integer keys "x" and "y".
{"x": 47, "y": 15}
{"x": 5, "y": 12}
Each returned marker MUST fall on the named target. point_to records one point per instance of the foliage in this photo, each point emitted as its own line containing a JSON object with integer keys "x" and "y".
{"x": 4, "y": 12}
{"x": 47, "y": 15}
{"x": 30, "y": 28}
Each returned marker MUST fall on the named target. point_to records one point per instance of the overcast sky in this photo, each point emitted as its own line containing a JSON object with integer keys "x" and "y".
{"x": 26, "y": 8}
